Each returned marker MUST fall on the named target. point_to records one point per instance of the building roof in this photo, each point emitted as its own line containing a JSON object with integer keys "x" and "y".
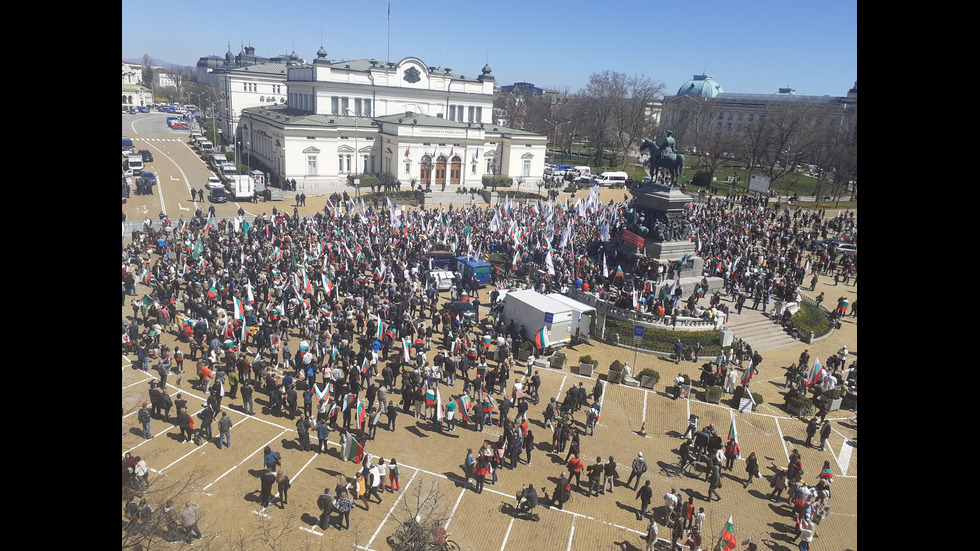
{"x": 134, "y": 88}
{"x": 286, "y": 115}
{"x": 701, "y": 86}
{"x": 269, "y": 68}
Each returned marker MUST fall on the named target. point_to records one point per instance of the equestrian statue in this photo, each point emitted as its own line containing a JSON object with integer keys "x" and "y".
{"x": 663, "y": 156}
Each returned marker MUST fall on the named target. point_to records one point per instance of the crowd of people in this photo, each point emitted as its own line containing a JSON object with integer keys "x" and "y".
{"x": 330, "y": 316}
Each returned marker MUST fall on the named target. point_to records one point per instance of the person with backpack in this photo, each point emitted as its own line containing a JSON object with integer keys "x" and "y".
{"x": 638, "y": 468}
{"x": 562, "y": 491}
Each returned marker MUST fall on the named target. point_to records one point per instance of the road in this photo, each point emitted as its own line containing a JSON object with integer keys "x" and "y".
{"x": 178, "y": 168}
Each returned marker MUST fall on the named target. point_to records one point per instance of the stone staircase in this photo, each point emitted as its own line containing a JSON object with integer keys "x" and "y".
{"x": 759, "y": 331}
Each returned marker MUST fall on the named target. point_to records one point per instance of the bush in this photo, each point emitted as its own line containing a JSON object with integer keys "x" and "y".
{"x": 500, "y": 181}
{"x": 811, "y": 318}
{"x": 652, "y": 373}
{"x": 616, "y": 366}
{"x": 587, "y": 360}
{"x": 570, "y": 189}
{"x": 702, "y": 178}
{"x": 713, "y": 393}
{"x": 757, "y": 398}
{"x": 662, "y": 340}
{"x": 367, "y": 180}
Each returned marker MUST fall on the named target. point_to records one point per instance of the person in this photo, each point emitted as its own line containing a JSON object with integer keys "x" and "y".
{"x": 806, "y": 534}
{"x": 343, "y": 505}
{"x": 270, "y": 458}
{"x": 528, "y": 499}
{"x": 638, "y": 468}
{"x": 143, "y": 416}
{"x": 393, "y": 475}
{"x": 677, "y": 385}
{"x": 575, "y": 468}
{"x": 392, "y": 413}
{"x": 644, "y": 494}
{"x": 141, "y": 471}
{"x": 323, "y": 435}
{"x": 528, "y": 444}
{"x": 283, "y": 485}
{"x": 303, "y": 431}
{"x": 751, "y": 468}
{"x": 824, "y": 434}
{"x": 595, "y": 474}
{"x": 373, "y": 482}
{"x": 188, "y": 518}
{"x": 694, "y": 539}
{"x": 562, "y": 491}
{"x": 714, "y": 482}
{"x": 731, "y": 453}
{"x": 609, "y": 476}
{"x": 325, "y": 504}
{"x": 778, "y": 485}
{"x": 811, "y": 430}
{"x": 248, "y": 405}
{"x": 679, "y": 350}
{"x": 267, "y": 479}
{"x": 651, "y": 535}
{"x": 591, "y": 416}
{"x": 692, "y": 426}
{"x": 671, "y": 502}
{"x": 186, "y": 424}
{"x": 687, "y": 520}
{"x": 469, "y": 465}
{"x": 676, "y": 534}
{"x": 224, "y": 430}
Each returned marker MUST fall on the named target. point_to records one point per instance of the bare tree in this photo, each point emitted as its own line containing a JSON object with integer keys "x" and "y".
{"x": 630, "y": 118}
{"x": 421, "y": 516}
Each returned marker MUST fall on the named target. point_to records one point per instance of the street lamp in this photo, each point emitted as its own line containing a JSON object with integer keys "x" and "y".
{"x": 357, "y": 153}
{"x": 556, "y": 125}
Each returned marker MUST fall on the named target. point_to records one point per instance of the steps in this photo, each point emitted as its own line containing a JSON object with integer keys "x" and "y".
{"x": 450, "y": 197}
{"x": 759, "y": 331}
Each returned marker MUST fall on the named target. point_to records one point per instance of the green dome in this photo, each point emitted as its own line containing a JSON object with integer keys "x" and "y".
{"x": 701, "y": 86}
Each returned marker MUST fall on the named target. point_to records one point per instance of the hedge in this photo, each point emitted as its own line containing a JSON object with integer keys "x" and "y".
{"x": 662, "y": 340}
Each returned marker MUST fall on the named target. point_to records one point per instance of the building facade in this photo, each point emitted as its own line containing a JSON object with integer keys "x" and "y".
{"x": 344, "y": 118}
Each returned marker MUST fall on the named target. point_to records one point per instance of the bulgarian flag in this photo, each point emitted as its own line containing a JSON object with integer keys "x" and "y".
{"x": 212, "y": 292}
{"x": 747, "y": 376}
{"x": 322, "y": 395}
{"x": 406, "y": 352}
{"x": 541, "y": 340}
{"x": 327, "y": 285}
{"x": 462, "y": 403}
{"x": 726, "y": 540}
{"x": 365, "y": 365}
{"x": 351, "y": 450}
{"x": 816, "y": 373}
{"x": 239, "y": 309}
{"x": 145, "y": 278}
{"x": 361, "y": 415}
{"x": 431, "y": 396}
{"x": 732, "y": 431}
{"x": 207, "y": 224}
{"x": 333, "y": 411}
{"x": 454, "y": 347}
{"x": 349, "y": 402}
{"x": 381, "y": 329}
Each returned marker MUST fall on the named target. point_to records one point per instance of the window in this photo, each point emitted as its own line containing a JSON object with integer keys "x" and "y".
{"x": 334, "y": 105}
{"x": 470, "y": 112}
{"x": 340, "y": 163}
{"x": 357, "y": 106}
{"x": 479, "y": 114}
{"x": 408, "y": 167}
{"x": 526, "y": 169}
{"x": 367, "y": 108}
{"x": 473, "y": 169}
{"x": 348, "y": 163}
{"x": 311, "y": 165}
{"x": 452, "y": 112}
{"x": 344, "y": 105}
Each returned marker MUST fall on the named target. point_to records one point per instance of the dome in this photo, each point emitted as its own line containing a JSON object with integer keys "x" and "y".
{"x": 321, "y": 53}
{"x": 486, "y": 69}
{"x": 701, "y": 86}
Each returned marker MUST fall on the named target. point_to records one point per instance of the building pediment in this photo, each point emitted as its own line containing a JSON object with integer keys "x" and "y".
{"x": 311, "y": 151}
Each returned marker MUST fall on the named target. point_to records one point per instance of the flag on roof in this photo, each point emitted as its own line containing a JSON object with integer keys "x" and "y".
{"x": 726, "y": 540}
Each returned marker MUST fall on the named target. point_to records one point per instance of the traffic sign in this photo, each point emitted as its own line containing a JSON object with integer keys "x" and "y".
{"x": 549, "y": 317}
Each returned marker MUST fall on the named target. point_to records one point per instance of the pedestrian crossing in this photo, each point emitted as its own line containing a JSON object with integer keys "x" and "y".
{"x": 161, "y": 140}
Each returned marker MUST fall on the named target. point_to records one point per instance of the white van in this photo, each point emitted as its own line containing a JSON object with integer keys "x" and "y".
{"x": 206, "y": 148}
{"x": 584, "y": 170}
{"x": 609, "y": 178}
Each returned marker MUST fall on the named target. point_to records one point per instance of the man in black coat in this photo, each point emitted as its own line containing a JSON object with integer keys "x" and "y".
{"x": 165, "y": 404}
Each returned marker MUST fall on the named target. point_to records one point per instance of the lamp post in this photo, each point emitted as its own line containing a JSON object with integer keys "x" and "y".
{"x": 556, "y": 125}
{"x": 357, "y": 154}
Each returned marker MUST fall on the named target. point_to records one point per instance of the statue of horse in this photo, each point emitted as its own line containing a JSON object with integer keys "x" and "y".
{"x": 674, "y": 165}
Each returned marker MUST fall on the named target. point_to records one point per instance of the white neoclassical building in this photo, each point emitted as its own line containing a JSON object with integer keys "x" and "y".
{"x": 366, "y": 116}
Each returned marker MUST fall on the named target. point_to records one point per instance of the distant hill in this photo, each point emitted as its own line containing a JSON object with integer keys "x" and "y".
{"x": 156, "y": 63}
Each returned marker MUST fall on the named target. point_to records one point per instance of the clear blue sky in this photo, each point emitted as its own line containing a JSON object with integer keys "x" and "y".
{"x": 749, "y": 46}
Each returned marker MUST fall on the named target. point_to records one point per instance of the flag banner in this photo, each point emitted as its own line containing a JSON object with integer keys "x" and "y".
{"x": 541, "y": 340}
{"x": 726, "y": 540}
{"x": 462, "y": 403}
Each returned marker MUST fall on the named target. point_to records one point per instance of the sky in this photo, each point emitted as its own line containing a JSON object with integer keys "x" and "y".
{"x": 750, "y": 46}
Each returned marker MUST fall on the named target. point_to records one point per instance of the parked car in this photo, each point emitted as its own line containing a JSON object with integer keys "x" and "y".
{"x": 147, "y": 156}
{"x": 214, "y": 183}
{"x": 462, "y": 308}
{"x": 149, "y": 177}
{"x": 442, "y": 280}
{"x": 218, "y": 195}
{"x": 587, "y": 179}
{"x": 180, "y": 126}
{"x": 143, "y": 109}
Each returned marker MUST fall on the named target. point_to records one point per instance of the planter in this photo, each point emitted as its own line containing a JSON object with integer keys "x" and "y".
{"x": 714, "y": 394}
{"x": 835, "y": 404}
{"x": 649, "y": 382}
{"x": 556, "y": 362}
{"x": 586, "y": 369}
{"x": 746, "y": 404}
{"x": 523, "y": 355}
{"x": 615, "y": 377}
{"x": 685, "y": 391}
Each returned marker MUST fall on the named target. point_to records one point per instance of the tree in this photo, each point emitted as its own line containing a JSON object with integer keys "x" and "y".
{"x": 421, "y": 520}
{"x": 147, "y": 70}
{"x": 630, "y": 119}
{"x": 597, "y": 117}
